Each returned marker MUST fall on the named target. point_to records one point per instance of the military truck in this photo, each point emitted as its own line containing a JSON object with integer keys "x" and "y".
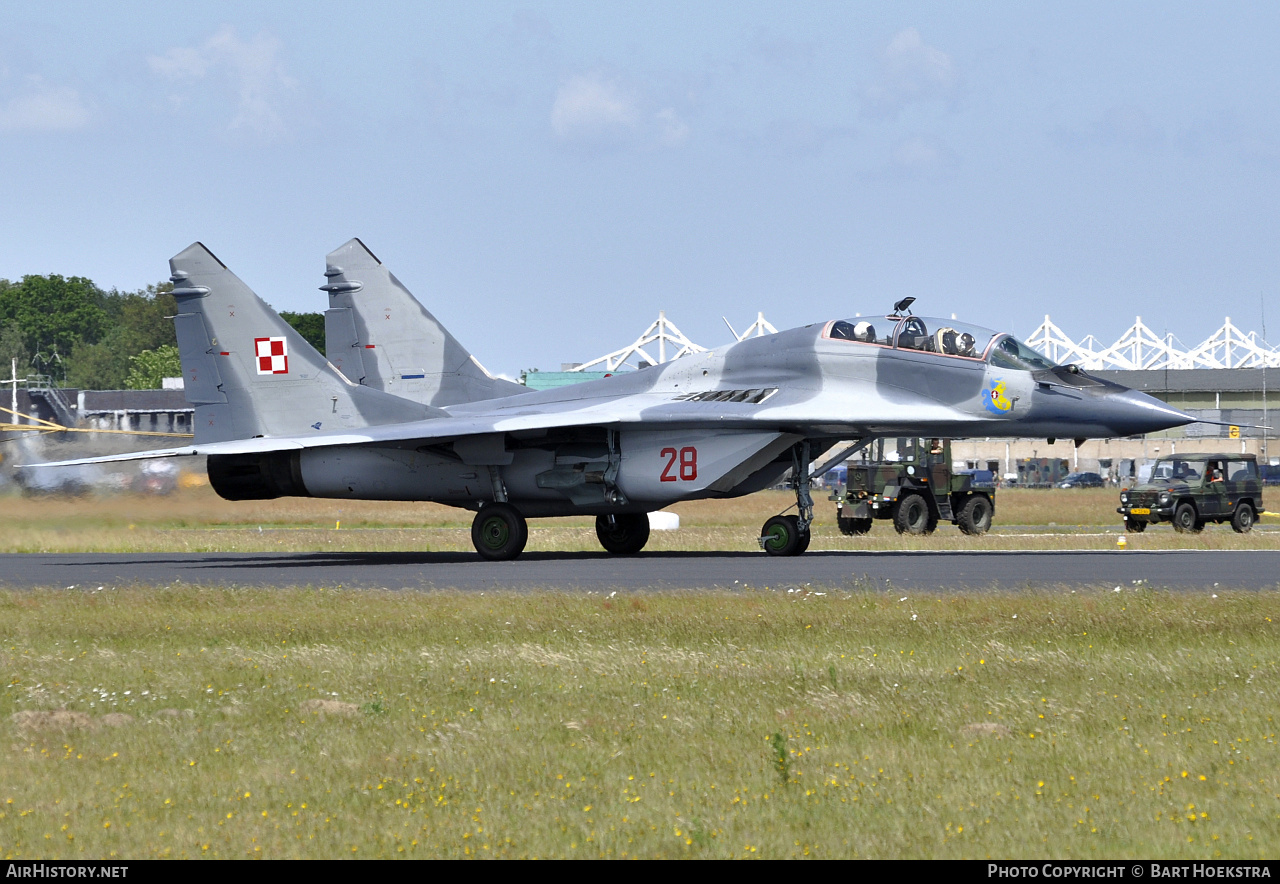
{"x": 1190, "y": 490}
{"x": 910, "y": 481}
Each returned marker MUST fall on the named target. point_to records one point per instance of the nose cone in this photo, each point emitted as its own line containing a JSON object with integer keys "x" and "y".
{"x": 1074, "y": 404}
{"x": 1130, "y": 413}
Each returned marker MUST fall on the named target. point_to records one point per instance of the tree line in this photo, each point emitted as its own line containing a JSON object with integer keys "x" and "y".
{"x": 79, "y": 335}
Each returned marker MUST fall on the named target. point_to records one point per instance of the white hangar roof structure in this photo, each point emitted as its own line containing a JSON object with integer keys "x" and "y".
{"x": 1138, "y": 349}
{"x": 1141, "y": 349}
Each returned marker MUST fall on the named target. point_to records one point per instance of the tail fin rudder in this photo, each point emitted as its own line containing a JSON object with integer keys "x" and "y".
{"x": 248, "y": 373}
{"x": 379, "y": 334}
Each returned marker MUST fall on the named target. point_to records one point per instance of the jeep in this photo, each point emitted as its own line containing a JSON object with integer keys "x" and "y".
{"x": 1191, "y": 490}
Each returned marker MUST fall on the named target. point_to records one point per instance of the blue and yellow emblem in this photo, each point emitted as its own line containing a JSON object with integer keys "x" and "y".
{"x": 996, "y": 400}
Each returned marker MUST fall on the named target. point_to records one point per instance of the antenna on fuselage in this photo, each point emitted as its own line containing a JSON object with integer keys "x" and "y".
{"x": 904, "y": 304}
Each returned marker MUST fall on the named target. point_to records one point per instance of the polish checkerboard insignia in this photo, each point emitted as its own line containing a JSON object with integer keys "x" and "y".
{"x": 273, "y": 356}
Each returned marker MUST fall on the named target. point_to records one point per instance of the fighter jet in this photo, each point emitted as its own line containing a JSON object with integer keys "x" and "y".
{"x": 275, "y": 418}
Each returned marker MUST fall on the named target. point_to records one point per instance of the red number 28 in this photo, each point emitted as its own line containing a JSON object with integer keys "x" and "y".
{"x": 688, "y": 460}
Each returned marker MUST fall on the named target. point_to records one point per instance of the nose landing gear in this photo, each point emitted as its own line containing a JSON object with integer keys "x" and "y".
{"x": 782, "y": 536}
{"x": 789, "y": 535}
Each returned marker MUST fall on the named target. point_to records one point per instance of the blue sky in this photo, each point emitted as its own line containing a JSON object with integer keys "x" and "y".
{"x": 547, "y": 176}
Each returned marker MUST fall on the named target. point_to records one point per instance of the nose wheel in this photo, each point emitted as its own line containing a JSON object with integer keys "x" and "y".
{"x": 782, "y": 536}
{"x": 499, "y": 532}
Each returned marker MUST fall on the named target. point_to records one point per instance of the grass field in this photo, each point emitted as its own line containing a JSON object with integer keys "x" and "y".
{"x": 844, "y": 724}
{"x": 825, "y": 722}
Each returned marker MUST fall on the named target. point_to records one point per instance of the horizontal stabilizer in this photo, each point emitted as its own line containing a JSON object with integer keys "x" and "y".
{"x": 236, "y": 446}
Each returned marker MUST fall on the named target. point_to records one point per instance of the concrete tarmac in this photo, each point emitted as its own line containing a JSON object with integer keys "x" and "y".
{"x": 600, "y": 572}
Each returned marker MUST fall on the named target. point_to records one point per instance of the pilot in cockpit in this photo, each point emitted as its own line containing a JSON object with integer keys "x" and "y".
{"x": 945, "y": 341}
{"x": 953, "y": 342}
{"x": 865, "y": 332}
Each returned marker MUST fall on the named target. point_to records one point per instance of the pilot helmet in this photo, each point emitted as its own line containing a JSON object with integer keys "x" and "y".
{"x": 966, "y": 342}
{"x": 863, "y": 331}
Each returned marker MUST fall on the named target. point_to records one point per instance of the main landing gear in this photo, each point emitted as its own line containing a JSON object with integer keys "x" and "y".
{"x": 623, "y": 534}
{"x": 789, "y": 535}
{"x": 499, "y": 532}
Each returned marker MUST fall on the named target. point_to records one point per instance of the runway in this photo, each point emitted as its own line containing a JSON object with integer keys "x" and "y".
{"x": 581, "y": 572}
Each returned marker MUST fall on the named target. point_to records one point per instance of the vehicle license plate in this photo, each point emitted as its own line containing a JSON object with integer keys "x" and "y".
{"x": 1140, "y": 511}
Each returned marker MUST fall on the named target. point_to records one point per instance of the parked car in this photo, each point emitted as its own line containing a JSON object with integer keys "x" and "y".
{"x": 1082, "y": 480}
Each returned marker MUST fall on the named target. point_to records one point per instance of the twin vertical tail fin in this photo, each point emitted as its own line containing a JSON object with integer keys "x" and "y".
{"x": 248, "y": 373}
{"x": 380, "y": 336}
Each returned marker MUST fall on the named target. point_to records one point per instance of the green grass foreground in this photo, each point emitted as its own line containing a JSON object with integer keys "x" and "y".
{"x": 850, "y": 723}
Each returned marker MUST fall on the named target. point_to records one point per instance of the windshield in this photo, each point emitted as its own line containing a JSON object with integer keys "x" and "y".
{"x": 1174, "y": 470}
{"x": 1009, "y": 352}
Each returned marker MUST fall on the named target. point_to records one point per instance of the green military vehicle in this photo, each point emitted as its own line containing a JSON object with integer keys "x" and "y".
{"x": 914, "y": 486}
{"x": 1190, "y": 490}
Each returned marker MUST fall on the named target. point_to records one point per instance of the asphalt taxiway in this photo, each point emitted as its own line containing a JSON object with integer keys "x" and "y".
{"x": 580, "y": 572}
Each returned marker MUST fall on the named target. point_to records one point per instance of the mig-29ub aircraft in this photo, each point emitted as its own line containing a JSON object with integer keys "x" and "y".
{"x": 275, "y": 418}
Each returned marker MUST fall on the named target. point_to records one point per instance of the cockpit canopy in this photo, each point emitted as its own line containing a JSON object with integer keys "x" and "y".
{"x": 1009, "y": 352}
{"x": 946, "y": 337}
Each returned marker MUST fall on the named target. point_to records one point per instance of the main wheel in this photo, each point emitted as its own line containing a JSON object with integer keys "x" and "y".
{"x": 1243, "y": 518}
{"x": 1135, "y": 526}
{"x": 855, "y": 527}
{"x": 623, "y": 534}
{"x": 780, "y": 536}
{"x": 1185, "y": 520}
{"x": 499, "y": 532}
{"x": 911, "y": 515}
{"x": 975, "y": 516}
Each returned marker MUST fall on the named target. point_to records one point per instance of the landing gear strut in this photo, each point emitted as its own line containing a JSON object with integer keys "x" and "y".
{"x": 789, "y": 535}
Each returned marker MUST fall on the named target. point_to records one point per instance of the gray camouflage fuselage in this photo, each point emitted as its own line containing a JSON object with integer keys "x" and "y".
{"x": 652, "y": 437}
